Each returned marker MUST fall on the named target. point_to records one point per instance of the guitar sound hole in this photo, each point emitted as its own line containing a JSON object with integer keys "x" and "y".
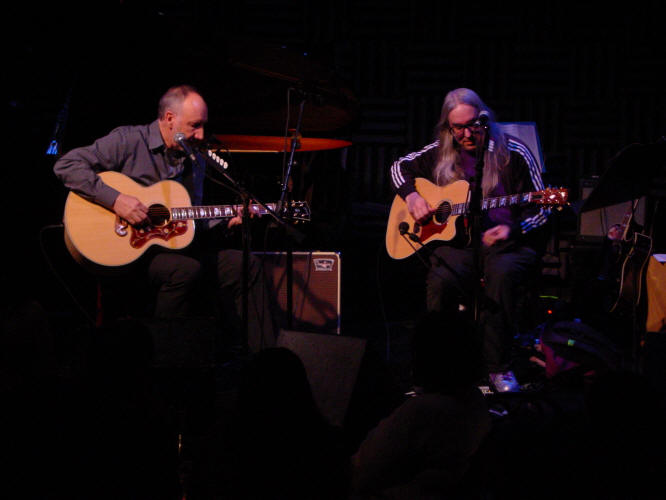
{"x": 442, "y": 212}
{"x": 158, "y": 215}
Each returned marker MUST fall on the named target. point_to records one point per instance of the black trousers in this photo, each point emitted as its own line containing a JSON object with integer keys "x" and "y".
{"x": 214, "y": 278}
{"x": 505, "y": 267}
{"x": 194, "y": 283}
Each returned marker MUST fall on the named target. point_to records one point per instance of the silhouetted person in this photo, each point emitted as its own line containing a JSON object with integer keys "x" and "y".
{"x": 423, "y": 449}
{"x": 284, "y": 447}
{"x": 126, "y": 435}
{"x": 627, "y": 436}
{"x": 32, "y": 418}
{"x": 589, "y": 430}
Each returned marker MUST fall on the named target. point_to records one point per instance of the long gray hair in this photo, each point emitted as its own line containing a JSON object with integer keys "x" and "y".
{"x": 448, "y": 168}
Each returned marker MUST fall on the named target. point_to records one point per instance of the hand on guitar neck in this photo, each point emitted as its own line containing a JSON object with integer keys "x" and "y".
{"x": 238, "y": 219}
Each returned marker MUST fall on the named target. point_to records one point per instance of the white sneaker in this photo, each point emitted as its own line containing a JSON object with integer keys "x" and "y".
{"x": 504, "y": 382}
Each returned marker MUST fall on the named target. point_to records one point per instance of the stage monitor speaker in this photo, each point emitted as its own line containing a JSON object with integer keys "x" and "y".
{"x": 315, "y": 289}
{"x": 182, "y": 342}
{"x": 594, "y": 225}
{"x": 332, "y": 364}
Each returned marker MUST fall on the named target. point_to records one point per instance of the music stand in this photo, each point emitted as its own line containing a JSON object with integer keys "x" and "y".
{"x": 631, "y": 174}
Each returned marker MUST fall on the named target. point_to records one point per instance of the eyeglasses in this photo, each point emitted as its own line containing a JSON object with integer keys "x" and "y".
{"x": 459, "y": 130}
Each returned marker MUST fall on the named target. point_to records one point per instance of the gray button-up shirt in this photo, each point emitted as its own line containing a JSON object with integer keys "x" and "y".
{"x": 137, "y": 151}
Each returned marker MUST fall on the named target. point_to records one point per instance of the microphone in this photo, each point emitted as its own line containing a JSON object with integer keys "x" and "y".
{"x": 403, "y": 229}
{"x": 179, "y": 137}
{"x": 482, "y": 119}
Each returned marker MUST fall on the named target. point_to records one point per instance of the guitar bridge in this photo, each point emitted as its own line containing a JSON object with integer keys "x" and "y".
{"x": 121, "y": 226}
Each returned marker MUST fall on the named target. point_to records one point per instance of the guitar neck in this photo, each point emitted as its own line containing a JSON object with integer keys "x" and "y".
{"x": 216, "y": 211}
{"x": 626, "y": 221}
{"x": 497, "y": 202}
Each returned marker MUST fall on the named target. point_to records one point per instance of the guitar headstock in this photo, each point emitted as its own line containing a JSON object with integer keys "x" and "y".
{"x": 551, "y": 197}
{"x": 297, "y": 211}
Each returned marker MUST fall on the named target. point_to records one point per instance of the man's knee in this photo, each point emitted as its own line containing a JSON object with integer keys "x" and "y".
{"x": 174, "y": 270}
{"x": 187, "y": 272}
{"x": 230, "y": 266}
{"x": 443, "y": 291}
{"x": 508, "y": 272}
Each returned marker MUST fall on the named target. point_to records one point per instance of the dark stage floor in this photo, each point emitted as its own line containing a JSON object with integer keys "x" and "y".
{"x": 150, "y": 409}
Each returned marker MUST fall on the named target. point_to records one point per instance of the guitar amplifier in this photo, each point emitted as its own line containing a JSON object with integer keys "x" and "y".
{"x": 315, "y": 289}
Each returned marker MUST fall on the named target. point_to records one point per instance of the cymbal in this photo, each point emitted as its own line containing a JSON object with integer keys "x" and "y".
{"x": 275, "y": 144}
{"x": 256, "y": 86}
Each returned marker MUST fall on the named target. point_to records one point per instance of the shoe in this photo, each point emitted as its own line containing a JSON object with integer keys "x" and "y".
{"x": 504, "y": 382}
{"x": 415, "y": 391}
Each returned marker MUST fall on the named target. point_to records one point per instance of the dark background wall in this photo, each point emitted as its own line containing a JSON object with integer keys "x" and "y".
{"x": 589, "y": 75}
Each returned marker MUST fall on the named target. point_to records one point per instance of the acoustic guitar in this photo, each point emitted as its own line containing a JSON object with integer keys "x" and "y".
{"x": 98, "y": 238}
{"x": 635, "y": 249}
{"x": 404, "y": 236}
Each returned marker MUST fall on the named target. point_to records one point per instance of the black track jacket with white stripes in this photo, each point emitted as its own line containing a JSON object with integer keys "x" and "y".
{"x": 519, "y": 176}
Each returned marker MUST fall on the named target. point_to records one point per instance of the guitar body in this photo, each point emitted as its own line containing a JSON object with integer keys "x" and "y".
{"x": 636, "y": 256}
{"x": 404, "y": 236}
{"x": 97, "y": 238}
{"x": 439, "y": 227}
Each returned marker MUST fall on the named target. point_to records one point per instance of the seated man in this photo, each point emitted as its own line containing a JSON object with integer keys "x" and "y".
{"x": 425, "y": 447}
{"x": 510, "y": 242}
{"x": 149, "y": 154}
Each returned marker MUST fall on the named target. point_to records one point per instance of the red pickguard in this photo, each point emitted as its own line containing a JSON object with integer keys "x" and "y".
{"x": 140, "y": 237}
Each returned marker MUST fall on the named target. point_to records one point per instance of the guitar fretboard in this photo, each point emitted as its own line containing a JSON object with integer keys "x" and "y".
{"x": 498, "y": 202}
{"x": 215, "y": 211}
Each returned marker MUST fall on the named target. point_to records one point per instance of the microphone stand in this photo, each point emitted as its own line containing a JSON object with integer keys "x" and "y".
{"x": 412, "y": 237}
{"x": 283, "y": 195}
{"x": 476, "y": 212}
{"x": 246, "y": 196}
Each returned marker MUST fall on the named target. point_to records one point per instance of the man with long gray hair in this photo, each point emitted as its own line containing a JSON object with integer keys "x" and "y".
{"x": 510, "y": 238}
